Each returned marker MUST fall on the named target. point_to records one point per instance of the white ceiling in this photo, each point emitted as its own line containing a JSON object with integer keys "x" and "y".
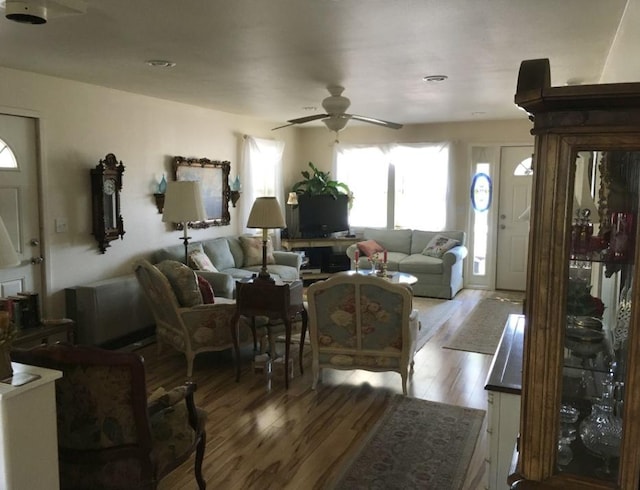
{"x": 272, "y": 58}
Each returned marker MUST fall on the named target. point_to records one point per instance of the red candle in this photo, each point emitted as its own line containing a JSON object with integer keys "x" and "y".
{"x": 357, "y": 255}
{"x": 385, "y": 256}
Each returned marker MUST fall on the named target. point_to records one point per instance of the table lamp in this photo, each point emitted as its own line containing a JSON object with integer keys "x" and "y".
{"x": 265, "y": 213}
{"x": 8, "y": 258}
{"x": 183, "y": 204}
{"x": 292, "y": 201}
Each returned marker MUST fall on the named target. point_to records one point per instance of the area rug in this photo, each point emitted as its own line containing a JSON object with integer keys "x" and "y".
{"x": 433, "y": 314}
{"x": 482, "y": 329}
{"x": 416, "y": 444}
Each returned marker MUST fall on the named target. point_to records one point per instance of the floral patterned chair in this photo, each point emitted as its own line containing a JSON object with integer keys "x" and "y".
{"x": 182, "y": 319}
{"x": 110, "y": 436}
{"x": 362, "y": 322}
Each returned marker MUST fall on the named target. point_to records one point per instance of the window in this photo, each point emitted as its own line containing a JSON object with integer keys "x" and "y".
{"x": 397, "y": 186}
{"x": 7, "y": 158}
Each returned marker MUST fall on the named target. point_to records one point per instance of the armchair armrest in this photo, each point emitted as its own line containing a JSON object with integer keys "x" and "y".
{"x": 291, "y": 259}
{"x": 223, "y": 284}
{"x": 452, "y": 256}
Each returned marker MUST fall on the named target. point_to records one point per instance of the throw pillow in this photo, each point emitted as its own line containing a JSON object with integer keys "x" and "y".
{"x": 183, "y": 281}
{"x": 252, "y": 249}
{"x": 369, "y": 247}
{"x": 438, "y": 245}
{"x": 208, "y": 298}
{"x": 200, "y": 261}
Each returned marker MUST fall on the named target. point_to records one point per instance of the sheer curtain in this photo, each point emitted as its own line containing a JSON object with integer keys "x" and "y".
{"x": 262, "y": 175}
{"x": 396, "y": 185}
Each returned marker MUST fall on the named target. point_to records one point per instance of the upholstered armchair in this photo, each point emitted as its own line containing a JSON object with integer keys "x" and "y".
{"x": 110, "y": 436}
{"x": 183, "y": 320}
{"x": 362, "y": 322}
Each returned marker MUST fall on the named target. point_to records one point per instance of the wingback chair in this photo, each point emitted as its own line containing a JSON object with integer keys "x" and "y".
{"x": 110, "y": 436}
{"x": 362, "y": 322}
{"x": 188, "y": 329}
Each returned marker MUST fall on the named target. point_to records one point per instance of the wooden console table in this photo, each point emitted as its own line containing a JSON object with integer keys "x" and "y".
{"x": 294, "y": 243}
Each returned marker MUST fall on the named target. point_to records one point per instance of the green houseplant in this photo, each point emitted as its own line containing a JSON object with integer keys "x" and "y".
{"x": 319, "y": 183}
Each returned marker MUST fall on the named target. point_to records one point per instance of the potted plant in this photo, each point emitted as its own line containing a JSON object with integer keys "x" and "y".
{"x": 319, "y": 183}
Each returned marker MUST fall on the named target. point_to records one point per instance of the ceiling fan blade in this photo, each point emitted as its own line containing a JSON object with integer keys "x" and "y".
{"x": 379, "y": 122}
{"x": 302, "y": 120}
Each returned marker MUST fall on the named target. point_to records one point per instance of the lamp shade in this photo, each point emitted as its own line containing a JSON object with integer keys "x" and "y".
{"x": 266, "y": 213}
{"x": 293, "y": 199}
{"x": 183, "y": 202}
{"x": 8, "y": 255}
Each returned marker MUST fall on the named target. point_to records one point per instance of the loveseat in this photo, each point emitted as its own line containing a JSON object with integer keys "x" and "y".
{"x": 438, "y": 276}
{"x": 232, "y": 258}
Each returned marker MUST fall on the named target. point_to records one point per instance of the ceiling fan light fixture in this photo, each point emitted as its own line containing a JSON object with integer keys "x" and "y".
{"x": 335, "y": 123}
{"x": 160, "y": 63}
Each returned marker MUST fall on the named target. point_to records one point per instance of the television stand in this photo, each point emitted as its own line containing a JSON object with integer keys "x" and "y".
{"x": 325, "y": 270}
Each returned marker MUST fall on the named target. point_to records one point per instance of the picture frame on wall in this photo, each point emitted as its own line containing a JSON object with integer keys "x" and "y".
{"x": 213, "y": 176}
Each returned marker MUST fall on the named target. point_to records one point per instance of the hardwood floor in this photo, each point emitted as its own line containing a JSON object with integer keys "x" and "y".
{"x": 261, "y": 436}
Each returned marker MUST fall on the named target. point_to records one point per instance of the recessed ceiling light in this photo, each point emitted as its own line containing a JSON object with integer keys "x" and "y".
{"x": 160, "y": 63}
{"x": 435, "y": 78}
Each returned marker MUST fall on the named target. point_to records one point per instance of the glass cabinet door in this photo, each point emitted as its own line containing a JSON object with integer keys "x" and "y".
{"x": 600, "y": 276}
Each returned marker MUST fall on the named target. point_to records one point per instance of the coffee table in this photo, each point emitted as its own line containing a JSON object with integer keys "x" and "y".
{"x": 392, "y": 276}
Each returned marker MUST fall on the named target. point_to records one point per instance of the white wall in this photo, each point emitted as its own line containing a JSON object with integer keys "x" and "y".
{"x": 82, "y": 123}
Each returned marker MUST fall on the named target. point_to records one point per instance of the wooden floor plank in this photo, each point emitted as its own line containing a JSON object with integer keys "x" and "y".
{"x": 261, "y": 436}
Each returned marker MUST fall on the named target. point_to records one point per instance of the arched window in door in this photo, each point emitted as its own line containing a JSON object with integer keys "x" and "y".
{"x": 7, "y": 158}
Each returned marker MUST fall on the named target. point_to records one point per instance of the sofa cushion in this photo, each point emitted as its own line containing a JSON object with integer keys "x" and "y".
{"x": 421, "y": 264}
{"x": 219, "y": 253}
{"x": 236, "y": 250}
{"x": 201, "y": 261}
{"x": 206, "y": 291}
{"x": 183, "y": 281}
{"x": 252, "y": 249}
{"x": 175, "y": 252}
{"x": 369, "y": 247}
{"x": 392, "y": 240}
{"x": 438, "y": 245}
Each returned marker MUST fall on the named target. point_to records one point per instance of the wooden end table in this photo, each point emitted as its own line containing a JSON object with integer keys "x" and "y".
{"x": 275, "y": 300}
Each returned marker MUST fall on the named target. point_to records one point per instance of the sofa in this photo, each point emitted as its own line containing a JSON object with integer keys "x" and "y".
{"x": 233, "y": 258}
{"x": 438, "y": 276}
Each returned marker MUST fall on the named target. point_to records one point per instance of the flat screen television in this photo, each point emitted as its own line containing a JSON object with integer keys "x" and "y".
{"x": 319, "y": 216}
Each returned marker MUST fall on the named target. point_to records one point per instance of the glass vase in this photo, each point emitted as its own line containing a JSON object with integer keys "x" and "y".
{"x": 601, "y": 431}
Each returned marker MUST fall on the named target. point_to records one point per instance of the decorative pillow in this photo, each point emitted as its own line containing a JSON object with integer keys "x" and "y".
{"x": 208, "y": 298}
{"x": 252, "y": 249}
{"x": 200, "y": 261}
{"x": 369, "y": 247}
{"x": 438, "y": 245}
{"x": 183, "y": 281}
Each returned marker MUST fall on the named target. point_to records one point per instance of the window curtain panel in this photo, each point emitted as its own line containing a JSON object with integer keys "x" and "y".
{"x": 262, "y": 176}
{"x": 407, "y": 185}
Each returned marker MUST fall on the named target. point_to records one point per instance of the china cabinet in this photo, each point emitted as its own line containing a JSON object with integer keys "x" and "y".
{"x": 580, "y": 408}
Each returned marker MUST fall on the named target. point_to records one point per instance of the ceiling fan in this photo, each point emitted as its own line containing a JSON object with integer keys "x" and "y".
{"x": 336, "y": 117}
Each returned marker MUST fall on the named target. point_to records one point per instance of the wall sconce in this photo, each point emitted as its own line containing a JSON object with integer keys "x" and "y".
{"x": 159, "y": 196}
{"x": 235, "y": 188}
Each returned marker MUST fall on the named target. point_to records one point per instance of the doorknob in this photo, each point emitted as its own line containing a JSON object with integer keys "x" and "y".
{"x": 37, "y": 260}
{"x": 503, "y": 216}
{"x": 34, "y": 242}
{"x": 502, "y": 227}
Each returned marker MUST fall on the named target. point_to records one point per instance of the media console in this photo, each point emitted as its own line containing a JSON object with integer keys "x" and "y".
{"x": 323, "y": 260}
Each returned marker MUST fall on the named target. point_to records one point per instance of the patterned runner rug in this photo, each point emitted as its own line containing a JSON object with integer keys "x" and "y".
{"x": 416, "y": 444}
{"x": 433, "y": 314}
{"x": 482, "y": 329}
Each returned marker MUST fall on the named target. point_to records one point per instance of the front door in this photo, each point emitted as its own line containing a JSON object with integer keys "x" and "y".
{"x": 513, "y": 220}
{"x": 19, "y": 202}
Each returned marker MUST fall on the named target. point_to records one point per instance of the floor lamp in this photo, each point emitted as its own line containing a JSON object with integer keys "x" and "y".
{"x": 8, "y": 258}
{"x": 265, "y": 213}
{"x": 183, "y": 204}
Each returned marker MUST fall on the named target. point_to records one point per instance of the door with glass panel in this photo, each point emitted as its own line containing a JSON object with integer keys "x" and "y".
{"x": 19, "y": 203}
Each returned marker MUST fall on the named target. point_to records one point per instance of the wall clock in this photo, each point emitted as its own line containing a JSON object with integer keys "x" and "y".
{"x": 106, "y": 184}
